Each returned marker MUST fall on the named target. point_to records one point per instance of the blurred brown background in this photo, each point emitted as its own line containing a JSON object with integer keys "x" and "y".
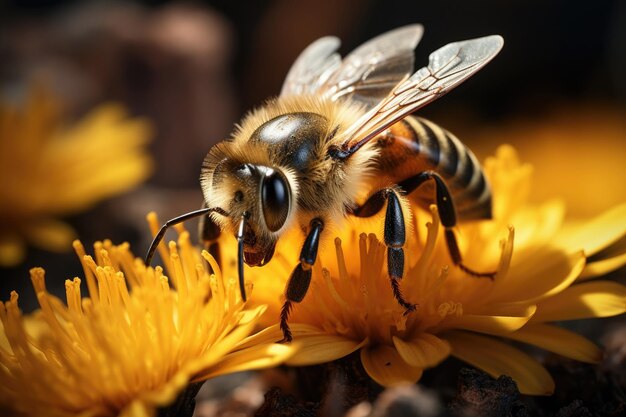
{"x": 557, "y": 91}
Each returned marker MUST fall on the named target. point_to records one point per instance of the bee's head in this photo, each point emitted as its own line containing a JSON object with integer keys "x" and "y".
{"x": 260, "y": 194}
{"x": 263, "y": 196}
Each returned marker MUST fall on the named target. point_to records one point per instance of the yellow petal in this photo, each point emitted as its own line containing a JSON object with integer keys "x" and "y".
{"x": 598, "y": 268}
{"x": 253, "y": 314}
{"x": 274, "y": 334}
{"x": 228, "y": 342}
{"x": 320, "y": 348}
{"x": 217, "y": 351}
{"x": 558, "y": 340}
{"x": 137, "y": 409}
{"x": 488, "y": 324}
{"x": 258, "y": 357}
{"x": 586, "y": 300}
{"x": 167, "y": 393}
{"x": 599, "y": 233}
{"x": 504, "y": 309}
{"x": 128, "y": 173}
{"x": 424, "y": 351}
{"x": 52, "y": 235}
{"x": 384, "y": 365}
{"x": 538, "y": 225}
{"x": 314, "y": 345}
{"x": 497, "y": 358}
{"x": 537, "y": 279}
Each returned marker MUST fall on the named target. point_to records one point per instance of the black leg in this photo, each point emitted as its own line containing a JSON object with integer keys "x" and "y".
{"x": 159, "y": 236}
{"x": 204, "y": 212}
{"x": 300, "y": 278}
{"x": 284, "y": 325}
{"x": 394, "y": 236}
{"x": 240, "y": 259}
{"x": 447, "y": 213}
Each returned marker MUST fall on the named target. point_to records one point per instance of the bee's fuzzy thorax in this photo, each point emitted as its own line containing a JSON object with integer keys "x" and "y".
{"x": 328, "y": 186}
{"x": 342, "y": 114}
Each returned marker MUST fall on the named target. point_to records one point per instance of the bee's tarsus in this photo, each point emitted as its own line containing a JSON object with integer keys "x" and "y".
{"x": 411, "y": 308}
{"x": 284, "y": 325}
{"x": 397, "y": 294}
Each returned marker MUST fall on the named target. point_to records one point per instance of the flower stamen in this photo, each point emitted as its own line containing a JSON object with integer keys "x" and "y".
{"x": 506, "y": 249}
{"x": 432, "y": 232}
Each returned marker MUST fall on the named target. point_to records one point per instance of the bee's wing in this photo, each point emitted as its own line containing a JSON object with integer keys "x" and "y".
{"x": 447, "y": 67}
{"x": 366, "y": 75}
{"x": 372, "y": 70}
{"x": 313, "y": 67}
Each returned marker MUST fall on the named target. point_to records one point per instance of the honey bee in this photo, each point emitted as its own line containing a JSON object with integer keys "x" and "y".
{"x": 339, "y": 127}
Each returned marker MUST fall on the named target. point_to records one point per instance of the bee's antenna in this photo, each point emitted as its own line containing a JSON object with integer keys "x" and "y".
{"x": 159, "y": 236}
{"x": 240, "y": 231}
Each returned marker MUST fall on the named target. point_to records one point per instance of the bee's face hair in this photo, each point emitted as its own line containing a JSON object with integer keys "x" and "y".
{"x": 266, "y": 194}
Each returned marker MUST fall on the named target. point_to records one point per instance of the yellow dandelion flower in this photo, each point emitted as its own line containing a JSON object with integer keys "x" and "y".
{"x": 542, "y": 277}
{"x": 134, "y": 344}
{"x": 50, "y": 170}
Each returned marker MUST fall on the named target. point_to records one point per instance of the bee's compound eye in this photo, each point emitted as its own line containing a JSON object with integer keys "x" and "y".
{"x": 275, "y": 200}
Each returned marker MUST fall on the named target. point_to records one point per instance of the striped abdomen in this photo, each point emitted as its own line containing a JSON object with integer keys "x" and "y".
{"x": 414, "y": 145}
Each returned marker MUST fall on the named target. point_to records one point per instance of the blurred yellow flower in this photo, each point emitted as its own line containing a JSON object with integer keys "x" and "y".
{"x": 134, "y": 344}
{"x": 541, "y": 278}
{"x": 50, "y": 170}
{"x": 577, "y": 151}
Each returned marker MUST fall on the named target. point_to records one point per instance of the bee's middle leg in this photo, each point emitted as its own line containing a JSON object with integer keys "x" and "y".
{"x": 394, "y": 236}
{"x": 300, "y": 278}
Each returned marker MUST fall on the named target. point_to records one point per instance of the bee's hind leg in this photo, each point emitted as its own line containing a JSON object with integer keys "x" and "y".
{"x": 394, "y": 236}
{"x": 300, "y": 278}
{"x": 447, "y": 214}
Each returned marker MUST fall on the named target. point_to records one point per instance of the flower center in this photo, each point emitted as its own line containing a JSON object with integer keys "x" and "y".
{"x": 352, "y": 296}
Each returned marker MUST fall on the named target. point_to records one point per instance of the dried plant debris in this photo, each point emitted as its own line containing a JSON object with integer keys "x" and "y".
{"x": 279, "y": 404}
{"x": 481, "y": 395}
{"x": 597, "y": 388}
{"x": 575, "y": 409}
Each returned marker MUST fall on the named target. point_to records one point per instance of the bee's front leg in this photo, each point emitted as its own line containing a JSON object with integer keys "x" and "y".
{"x": 394, "y": 236}
{"x": 300, "y": 278}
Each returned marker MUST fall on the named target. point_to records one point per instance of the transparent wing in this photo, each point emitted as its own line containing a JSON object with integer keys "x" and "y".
{"x": 372, "y": 70}
{"x": 313, "y": 67}
{"x": 447, "y": 68}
